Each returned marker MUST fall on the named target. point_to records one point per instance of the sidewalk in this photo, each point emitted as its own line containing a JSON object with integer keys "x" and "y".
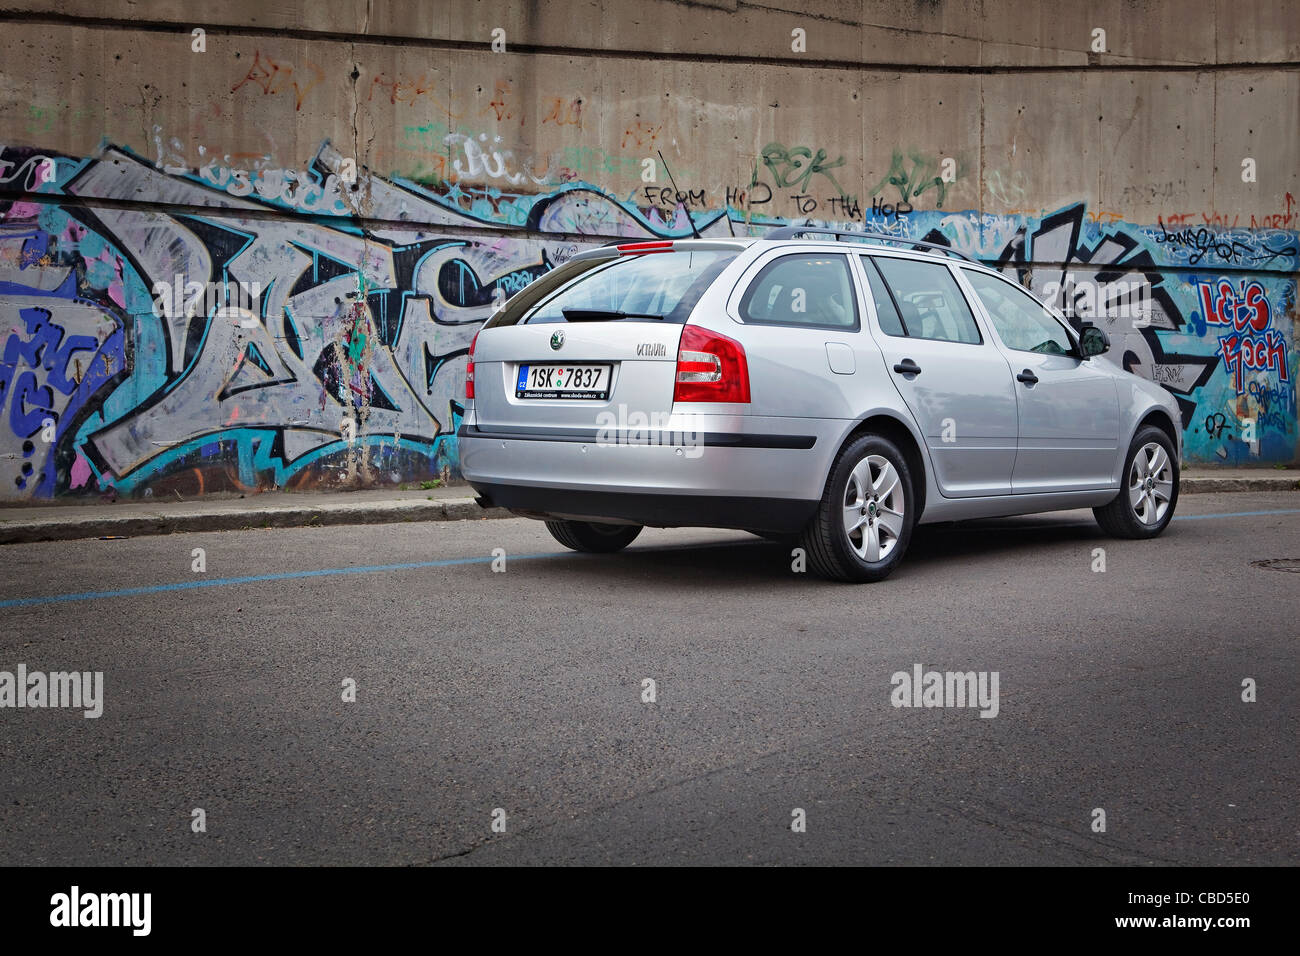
{"x": 61, "y": 522}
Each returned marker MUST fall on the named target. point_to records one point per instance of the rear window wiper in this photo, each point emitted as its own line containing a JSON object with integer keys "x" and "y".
{"x": 605, "y": 315}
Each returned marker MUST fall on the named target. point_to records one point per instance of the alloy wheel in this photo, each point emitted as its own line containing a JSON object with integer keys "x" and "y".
{"x": 873, "y": 508}
{"x": 1150, "y": 483}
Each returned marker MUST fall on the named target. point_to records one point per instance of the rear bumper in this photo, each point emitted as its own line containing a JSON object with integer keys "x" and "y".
{"x": 769, "y": 480}
{"x": 786, "y": 516}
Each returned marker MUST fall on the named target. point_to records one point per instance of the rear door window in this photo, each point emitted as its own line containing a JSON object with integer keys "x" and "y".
{"x": 886, "y": 311}
{"x": 929, "y": 300}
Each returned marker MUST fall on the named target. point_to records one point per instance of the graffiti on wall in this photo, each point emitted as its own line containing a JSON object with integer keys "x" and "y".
{"x": 1214, "y": 344}
{"x": 1249, "y": 342}
{"x": 135, "y": 359}
{"x": 219, "y": 338}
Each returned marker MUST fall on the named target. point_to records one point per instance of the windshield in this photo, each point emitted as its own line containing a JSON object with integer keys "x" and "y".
{"x": 661, "y": 286}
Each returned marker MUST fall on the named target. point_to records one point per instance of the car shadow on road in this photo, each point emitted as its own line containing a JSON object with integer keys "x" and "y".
{"x": 754, "y": 561}
{"x": 956, "y": 539}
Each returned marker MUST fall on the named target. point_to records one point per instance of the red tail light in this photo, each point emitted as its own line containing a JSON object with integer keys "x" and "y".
{"x": 469, "y": 368}
{"x": 710, "y": 368}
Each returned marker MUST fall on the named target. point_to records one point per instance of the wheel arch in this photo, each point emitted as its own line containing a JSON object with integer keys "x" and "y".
{"x": 1161, "y": 419}
{"x": 897, "y": 431}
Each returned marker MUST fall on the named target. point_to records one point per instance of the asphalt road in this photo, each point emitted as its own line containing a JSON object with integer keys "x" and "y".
{"x": 475, "y": 690}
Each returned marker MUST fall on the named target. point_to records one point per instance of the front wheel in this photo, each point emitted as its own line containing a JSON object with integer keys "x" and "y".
{"x": 1145, "y": 505}
{"x": 593, "y": 537}
{"x": 864, "y": 521}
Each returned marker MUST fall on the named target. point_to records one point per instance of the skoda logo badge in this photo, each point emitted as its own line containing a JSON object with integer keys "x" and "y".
{"x": 557, "y": 340}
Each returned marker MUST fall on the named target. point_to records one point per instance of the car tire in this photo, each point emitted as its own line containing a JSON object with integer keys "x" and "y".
{"x": 866, "y": 509}
{"x": 1149, "y": 490}
{"x": 593, "y": 537}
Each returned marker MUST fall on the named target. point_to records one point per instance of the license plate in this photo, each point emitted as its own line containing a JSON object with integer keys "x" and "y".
{"x": 563, "y": 381}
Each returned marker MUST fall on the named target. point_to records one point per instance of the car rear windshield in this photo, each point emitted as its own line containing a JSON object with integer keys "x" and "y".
{"x": 660, "y": 286}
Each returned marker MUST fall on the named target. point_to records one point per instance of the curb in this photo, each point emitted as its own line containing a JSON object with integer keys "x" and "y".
{"x": 1204, "y": 484}
{"x": 50, "y": 526}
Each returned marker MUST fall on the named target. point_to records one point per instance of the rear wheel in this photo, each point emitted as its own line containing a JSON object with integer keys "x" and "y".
{"x": 1145, "y": 505}
{"x": 864, "y": 521}
{"x": 593, "y": 537}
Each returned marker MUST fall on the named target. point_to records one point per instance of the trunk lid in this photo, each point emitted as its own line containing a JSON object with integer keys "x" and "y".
{"x": 641, "y": 358}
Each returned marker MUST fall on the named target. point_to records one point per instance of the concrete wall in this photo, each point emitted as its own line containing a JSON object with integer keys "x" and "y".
{"x": 375, "y": 172}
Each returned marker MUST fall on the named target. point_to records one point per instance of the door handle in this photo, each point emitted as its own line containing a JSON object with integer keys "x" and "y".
{"x": 1028, "y": 377}
{"x": 907, "y": 367}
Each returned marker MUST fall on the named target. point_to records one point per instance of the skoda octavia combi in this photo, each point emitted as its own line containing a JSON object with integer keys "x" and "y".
{"x": 832, "y": 391}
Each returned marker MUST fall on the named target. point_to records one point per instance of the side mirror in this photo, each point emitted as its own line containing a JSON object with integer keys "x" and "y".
{"x": 1093, "y": 341}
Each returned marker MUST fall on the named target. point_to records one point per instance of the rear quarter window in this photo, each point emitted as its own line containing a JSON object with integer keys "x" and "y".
{"x": 804, "y": 289}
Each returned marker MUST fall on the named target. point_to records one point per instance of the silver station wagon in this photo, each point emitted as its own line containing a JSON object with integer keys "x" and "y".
{"x": 827, "y": 392}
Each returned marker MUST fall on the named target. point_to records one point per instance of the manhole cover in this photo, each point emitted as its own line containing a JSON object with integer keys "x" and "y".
{"x": 1279, "y": 564}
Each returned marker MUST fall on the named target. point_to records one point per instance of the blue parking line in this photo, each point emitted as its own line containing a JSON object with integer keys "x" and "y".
{"x": 255, "y": 578}
{"x": 1238, "y": 514}
{"x": 417, "y": 565}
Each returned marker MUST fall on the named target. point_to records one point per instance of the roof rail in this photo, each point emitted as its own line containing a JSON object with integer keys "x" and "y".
{"x": 793, "y": 232}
